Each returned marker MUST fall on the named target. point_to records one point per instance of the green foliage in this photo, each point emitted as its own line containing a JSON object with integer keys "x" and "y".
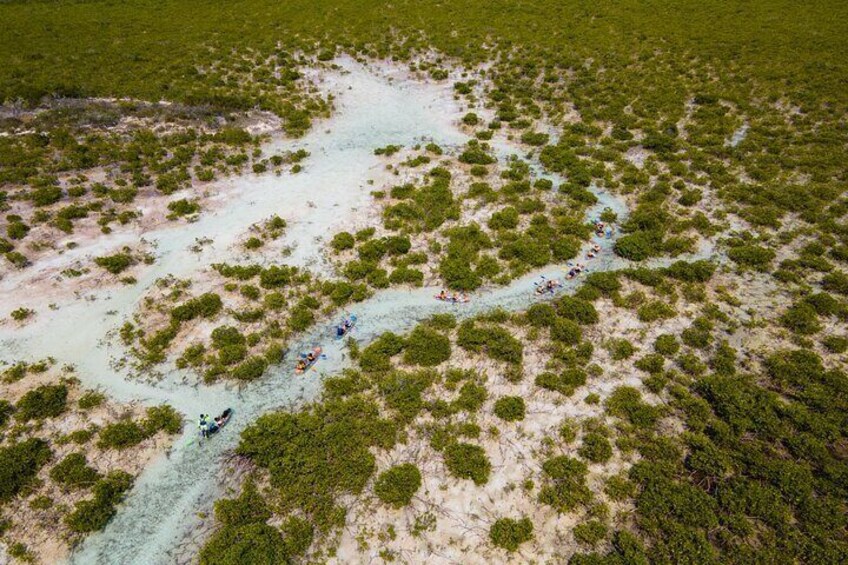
{"x": 496, "y": 342}
{"x": 73, "y": 471}
{"x": 317, "y": 454}
{"x": 127, "y": 433}
{"x": 581, "y": 311}
{"x": 396, "y": 486}
{"x": 91, "y": 399}
{"x": 45, "y": 401}
{"x": 205, "y": 306}
{"x": 595, "y": 448}
{"x": 19, "y": 464}
{"x": 565, "y": 484}
{"x": 377, "y": 356}
{"x": 666, "y": 345}
{"x": 183, "y": 207}
{"x": 626, "y": 402}
{"x": 93, "y": 514}
{"x": 654, "y": 311}
{"x": 753, "y": 256}
{"x": 591, "y": 532}
{"x": 565, "y": 382}
{"x": 510, "y": 408}
{"x": 245, "y": 537}
{"x": 697, "y": 271}
{"x": 471, "y": 397}
{"x": 566, "y": 331}
{"x": 510, "y": 533}
{"x": 468, "y": 461}
{"x": 115, "y": 264}
{"x": 801, "y": 318}
{"x": 620, "y": 349}
{"x": 402, "y": 392}
{"x": 121, "y": 435}
{"x": 426, "y": 347}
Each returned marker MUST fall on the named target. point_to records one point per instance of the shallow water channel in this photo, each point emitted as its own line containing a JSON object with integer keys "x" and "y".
{"x": 371, "y": 111}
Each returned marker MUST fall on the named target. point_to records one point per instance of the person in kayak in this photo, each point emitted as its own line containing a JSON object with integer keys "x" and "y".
{"x": 442, "y": 295}
{"x": 310, "y": 357}
{"x": 203, "y": 425}
{"x": 207, "y": 425}
{"x": 301, "y": 365}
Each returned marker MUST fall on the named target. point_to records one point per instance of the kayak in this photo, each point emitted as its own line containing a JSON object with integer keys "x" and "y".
{"x": 220, "y": 422}
{"x": 462, "y": 299}
{"x": 542, "y": 286}
{"x": 317, "y": 353}
{"x": 352, "y": 321}
{"x": 223, "y": 419}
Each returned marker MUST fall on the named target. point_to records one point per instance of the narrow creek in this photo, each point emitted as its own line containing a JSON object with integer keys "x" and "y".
{"x": 162, "y": 509}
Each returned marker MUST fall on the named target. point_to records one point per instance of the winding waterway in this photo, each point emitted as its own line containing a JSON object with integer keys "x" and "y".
{"x": 371, "y": 111}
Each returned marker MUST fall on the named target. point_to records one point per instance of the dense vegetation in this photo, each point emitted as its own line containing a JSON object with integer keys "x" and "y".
{"x": 716, "y": 121}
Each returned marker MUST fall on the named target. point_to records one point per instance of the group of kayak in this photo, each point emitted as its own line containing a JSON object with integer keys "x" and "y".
{"x": 452, "y": 298}
{"x": 550, "y": 286}
{"x": 308, "y": 359}
{"x": 547, "y": 286}
{"x": 601, "y": 229}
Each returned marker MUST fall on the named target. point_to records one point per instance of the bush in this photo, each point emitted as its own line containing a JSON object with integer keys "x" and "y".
{"x": 590, "y": 533}
{"x": 510, "y": 408}
{"x": 471, "y": 398}
{"x": 541, "y": 314}
{"x": 121, "y": 435}
{"x": 753, "y": 256}
{"x": 837, "y": 281}
{"x": 6, "y": 410}
{"x": 73, "y": 471}
{"x": 397, "y": 486}
{"x": 251, "y": 543}
{"x": 509, "y": 533}
{"x": 626, "y": 402}
{"x": 467, "y": 461}
{"x": 666, "y": 345}
{"x": 183, "y": 207}
{"x": 116, "y": 263}
{"x": 93, "y": 514}
{"x": 377, "y": 356}
{"x": 833, "y": 343}
{"x": 565, "y": 382}
{"x": 636, "y": 246}
{"x": 506, "y": 218}
{"x": 276, "y": 276}
{"x": 46, "y": 401}
{"x": 495, "y": 342}
{"x": 566, "y": 331}
{"x": 470, "y": 119}
{"x": 91, "y": 399}
{"x": 697, "y": 271}
{"x": 802, "y": 319}
{"x": 596, "y": 448}
{"x": 317, "y": 454}
{"x": 606, "y": 283}
{"x": 652, "y": 363}
{"x": 163, "y": 418}
{"x": 620, "y": 349}
{"x": 206, "y": 305}
{"x": 251, "y": 369}
{"x": 426, "y": 347}
{"x": 565, "y": 487}
{"x": 655, "y": 310}
{"x": 19, "y": 465}
{"x": 581, "y": 311}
